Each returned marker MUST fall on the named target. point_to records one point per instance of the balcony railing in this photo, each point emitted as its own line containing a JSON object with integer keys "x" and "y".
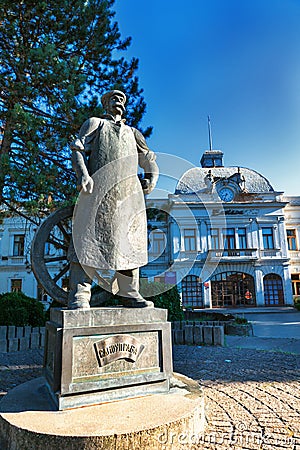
{"x": 270, "y": 253}
{"x": 157, "y": 257}
{"x": 187, "y": 256}
{"x": 294, "y": 254}
{"x": 240, "y": 253}
{"x": 12, "y": 260}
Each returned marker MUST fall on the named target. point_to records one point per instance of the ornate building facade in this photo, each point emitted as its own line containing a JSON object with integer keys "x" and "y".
{"x": 232, "y": 241}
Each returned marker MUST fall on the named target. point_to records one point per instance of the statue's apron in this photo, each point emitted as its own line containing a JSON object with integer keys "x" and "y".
{"x": 110, "y": 225}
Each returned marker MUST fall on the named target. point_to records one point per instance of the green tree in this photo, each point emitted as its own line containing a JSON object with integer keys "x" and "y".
{"x": 56, "y": 60}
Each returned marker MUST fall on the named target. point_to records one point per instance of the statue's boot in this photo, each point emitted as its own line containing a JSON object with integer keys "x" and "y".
{"x": 128, "y": 282}
{"x": 80, "y": 288}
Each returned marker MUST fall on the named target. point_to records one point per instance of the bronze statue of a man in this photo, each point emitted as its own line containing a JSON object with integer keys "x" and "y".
{"x": 110, "y": 225}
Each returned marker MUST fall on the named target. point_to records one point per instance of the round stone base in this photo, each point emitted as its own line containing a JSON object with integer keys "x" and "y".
{"x": 28, "y": 420}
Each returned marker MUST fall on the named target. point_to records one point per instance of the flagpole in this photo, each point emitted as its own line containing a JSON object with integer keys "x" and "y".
{"x": 209, "y": 134}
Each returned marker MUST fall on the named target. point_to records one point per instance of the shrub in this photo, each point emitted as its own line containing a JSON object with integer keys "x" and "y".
{"x": 240, "y": 320}
{"x": 158, "y": 294}
{"x": 164, "y": 296}
{"x": 297, "y": 302}
{"x": 19, "y": 310}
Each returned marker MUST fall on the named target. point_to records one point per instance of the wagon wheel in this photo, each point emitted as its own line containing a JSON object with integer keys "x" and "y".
{"x": 53, "y": 234}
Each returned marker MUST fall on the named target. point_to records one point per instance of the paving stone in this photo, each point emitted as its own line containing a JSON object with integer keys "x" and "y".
{"x": 27, "y": 330}
{"x": 11, "y": 331}
{"x": 188, "y": 334}
{"x": 3, "y": 332}
{"x": 13, "y": 344}
{"x": 252, "y": 397}
{"x": 178, "y": 337}
{"x": 35, "y": 330}
{"x": 42, "y": 340}
{"x": 208, "y": 335}
{"x": 34, "y": 340}
{"x": 19, "y": 332}
{"x": 198, "y": 334}
{"x": 24, "y": 343}
{"x": 176, "y": 325}
{"x": 3, "y": 345}
{"x": 218, "y": 335}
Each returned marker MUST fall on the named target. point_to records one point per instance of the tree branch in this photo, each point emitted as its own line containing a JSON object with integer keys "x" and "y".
{"x": 18, "y": 212}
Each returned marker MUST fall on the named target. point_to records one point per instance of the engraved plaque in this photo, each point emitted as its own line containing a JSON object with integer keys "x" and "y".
{"x": 120, "y": 346}
{"x": 88, "y": 365}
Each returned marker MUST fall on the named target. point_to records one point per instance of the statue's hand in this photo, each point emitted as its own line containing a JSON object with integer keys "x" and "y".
{"x": 147, "y": 186}
{"x": 86, "y": 183}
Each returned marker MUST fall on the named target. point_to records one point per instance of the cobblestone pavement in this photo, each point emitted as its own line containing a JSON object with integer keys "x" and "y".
{"x": 252, "y": 397}
{"x": 19, "y": 367}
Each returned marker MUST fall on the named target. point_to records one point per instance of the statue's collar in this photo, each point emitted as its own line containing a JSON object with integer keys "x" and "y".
{"x": 113, "y": 119}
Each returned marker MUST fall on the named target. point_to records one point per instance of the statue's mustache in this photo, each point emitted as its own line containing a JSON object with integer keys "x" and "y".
{"x": 120, "y": 105}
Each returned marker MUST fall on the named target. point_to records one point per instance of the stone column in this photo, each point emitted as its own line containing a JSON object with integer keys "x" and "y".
{"x": 203, "y": 236}
{"x": 276, "y": 237}
{"x": 259, "y": 286}
{"x": 249, "y": 236}
{"x": 256, "y": 241}
{"x": 174, "y": 239}
{"x": 207, "y": 295}
{"x": 287, "y": 285}
{"x": 198, "y": 236}
{"x": 282, "y": 238}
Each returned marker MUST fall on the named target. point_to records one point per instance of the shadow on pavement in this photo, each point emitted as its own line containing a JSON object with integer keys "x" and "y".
{"x": 236, "y": 364}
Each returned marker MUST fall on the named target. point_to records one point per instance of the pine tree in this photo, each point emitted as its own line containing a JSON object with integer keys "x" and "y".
{"x": 56, "y": 60}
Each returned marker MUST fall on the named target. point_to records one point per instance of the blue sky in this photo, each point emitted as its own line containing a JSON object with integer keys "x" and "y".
{"x": 236, "y": 60}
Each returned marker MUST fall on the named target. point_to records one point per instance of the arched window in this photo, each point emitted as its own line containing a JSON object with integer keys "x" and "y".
{"x": 192, "y": 291}
{"x": 230, "y": 289}
{"x": 273, "y": 290}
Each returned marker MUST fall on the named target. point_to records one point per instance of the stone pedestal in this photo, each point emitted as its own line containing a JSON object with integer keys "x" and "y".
{"x": 105, "y": 354}
{"x": 171, "y": 421}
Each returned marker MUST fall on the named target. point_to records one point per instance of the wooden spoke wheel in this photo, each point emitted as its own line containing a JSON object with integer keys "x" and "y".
{"x": 49, "y": 252}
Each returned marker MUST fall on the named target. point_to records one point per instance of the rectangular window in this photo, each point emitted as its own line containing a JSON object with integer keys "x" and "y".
{"x": 16, "y": 285}
{"x": 242, "y": 237}
{"x": 18, "y": 248}
{"x": 189, "y": 235}
{"x": 158, "y": 242}
{"x": 268, "y": 239}
{"x": 291, "y": 239}
{"x": 214, "y": 238}
{"x": 228, "y": 238}
{"x": 296, "y": 283}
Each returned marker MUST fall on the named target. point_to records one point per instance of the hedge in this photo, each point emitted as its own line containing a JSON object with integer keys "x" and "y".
{"x": 20, "y": 310}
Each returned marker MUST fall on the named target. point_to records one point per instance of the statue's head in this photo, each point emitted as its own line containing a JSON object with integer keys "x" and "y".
{"x": 114, "y": 102}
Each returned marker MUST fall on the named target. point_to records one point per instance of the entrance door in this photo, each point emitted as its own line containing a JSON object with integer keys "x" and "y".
{"x": 273, "y": 290}
{"x": 231, "y": 289}
{"x": 192, "y": 293}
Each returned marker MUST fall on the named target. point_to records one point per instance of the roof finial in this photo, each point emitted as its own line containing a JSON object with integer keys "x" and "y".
{"x": 209, "y": 134}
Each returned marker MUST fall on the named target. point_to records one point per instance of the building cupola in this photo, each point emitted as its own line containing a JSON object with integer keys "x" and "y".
{"x": 212, "y": 158}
